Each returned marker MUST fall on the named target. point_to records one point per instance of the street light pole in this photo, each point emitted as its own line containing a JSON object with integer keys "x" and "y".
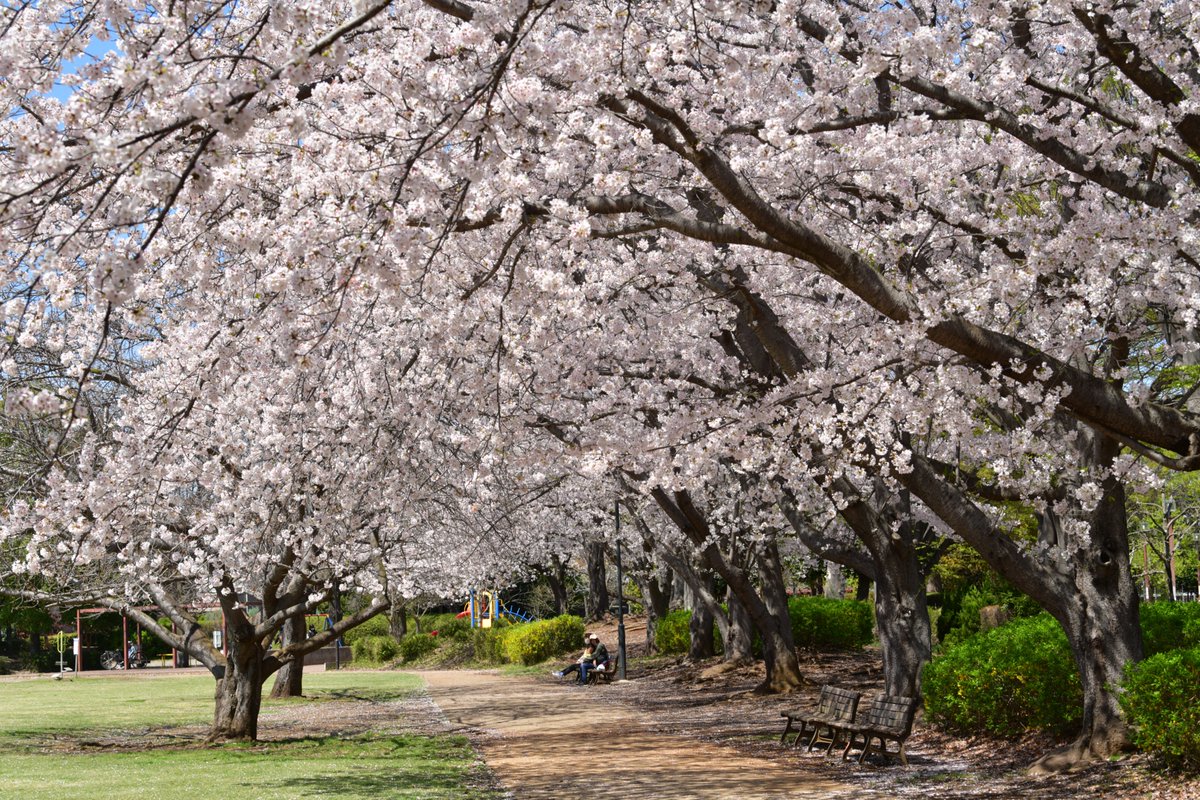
{"x": 620, "y": 598}
{"x": 1169, "y": 513}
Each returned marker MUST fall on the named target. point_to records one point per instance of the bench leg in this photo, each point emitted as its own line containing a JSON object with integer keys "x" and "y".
{"x": 903, "y": 759}
{"x": 849, "y": 744}
{"x": 800, "y": 733}
{"x": 866, "y": 747}
{"x": 786, "y": 730}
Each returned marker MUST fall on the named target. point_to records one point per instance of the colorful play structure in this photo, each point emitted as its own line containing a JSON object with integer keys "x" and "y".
{"x": 484, "y": 607}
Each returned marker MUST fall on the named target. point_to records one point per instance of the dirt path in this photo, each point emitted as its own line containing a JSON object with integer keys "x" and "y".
{"x": 556, "y": 741}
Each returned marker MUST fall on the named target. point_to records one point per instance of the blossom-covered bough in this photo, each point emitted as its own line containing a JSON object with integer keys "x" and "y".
{"x": 907, "y": 250}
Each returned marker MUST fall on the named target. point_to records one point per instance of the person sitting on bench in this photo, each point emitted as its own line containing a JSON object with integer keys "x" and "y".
{"x": 579, "y": 665}
{"x": 599, "y": 658}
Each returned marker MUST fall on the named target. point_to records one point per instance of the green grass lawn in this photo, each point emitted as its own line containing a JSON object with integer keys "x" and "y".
{"x": 41, "y": 715}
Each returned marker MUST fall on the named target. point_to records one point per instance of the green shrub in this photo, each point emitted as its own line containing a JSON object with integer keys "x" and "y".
{"x": 440, "y": 622}
{"x": 375, "y": 626}
{"x": 488, "y": 644}
{"x": 375, "y": 649}
{"x": 415, "y": 645}
{"x": 960, "y": 613}
{"x": 1169, "y": 626}
{"x": 822, "y": 622}
{"x": 534, "y": 642}
{"x": 454, "y": 629}
{"x": 672, "y": 635}
{"x": 1161, "y": 700}
{"x": 47, "y": 661}
{"x": 1006, "y": 681}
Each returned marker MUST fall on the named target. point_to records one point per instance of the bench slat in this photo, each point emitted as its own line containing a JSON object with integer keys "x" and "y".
{"x": 888, "y": 719}
{"x": 834, "y": 707}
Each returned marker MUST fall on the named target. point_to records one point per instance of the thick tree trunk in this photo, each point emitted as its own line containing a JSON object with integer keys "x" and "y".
{"x": 597, "y": 600}
{"x": 239, "y": 687}
{"x": 1099, "y": 611}
{"x": 862, "y": 588}
{"x": 698, "y": 587}
{"x": 556, "y": 576}
{"x": 702, "y": 643}
{"x": 1088, "y": 587}
{"x": 289, "y": 680}
{"x": 774, "y": 624}
{"x": 398, "y": 621}
{"x": 835, "y": 580}
{"x": 738, "y": 638}
{"x": 886, "y": 527}
{"x": 902, "y": 617}
{"x": 766, "y": 611}
{"x": 1102, "y": 641}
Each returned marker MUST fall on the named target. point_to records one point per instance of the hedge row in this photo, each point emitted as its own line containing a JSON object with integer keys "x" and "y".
{"x": 1161, "y": 696}
{"x": 822, "y": 622}
{"x": 375, "y": 626}
{"x": 416, "y": 645}
{"x": 534, "y": 642}
{"x": 1006, "y": 681}
{"x": 817, "y": 622}
{"x": 375, "y": 649}
{"x": 1170, "y": 626}
{"x": 671, "y": 633}
{"x": 1162, "y": 702}
{"x": 1021, "y": 676}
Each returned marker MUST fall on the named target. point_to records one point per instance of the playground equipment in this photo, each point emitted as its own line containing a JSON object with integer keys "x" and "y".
{"x": 485, "y": 607}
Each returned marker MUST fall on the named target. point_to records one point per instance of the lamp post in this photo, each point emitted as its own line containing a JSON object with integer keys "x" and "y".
{"x": 1169, "y": 520}
{"x": 1146, "y": 571}
{"x": 620, "y": 598}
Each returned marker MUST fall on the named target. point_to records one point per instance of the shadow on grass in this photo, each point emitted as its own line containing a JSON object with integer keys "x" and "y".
{"x": 396, "y": 767}
{"x": 360, "y": 694}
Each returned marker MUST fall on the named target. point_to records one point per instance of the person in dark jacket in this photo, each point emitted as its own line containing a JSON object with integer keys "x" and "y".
{"x": 584, "y": 659}
{"x": 599, "y": 657}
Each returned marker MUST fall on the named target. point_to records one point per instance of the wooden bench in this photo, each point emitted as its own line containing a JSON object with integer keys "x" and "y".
{"x": 605, "y": 673}
{"x": 889, "y": 718}
{"x": 835, "y": 709}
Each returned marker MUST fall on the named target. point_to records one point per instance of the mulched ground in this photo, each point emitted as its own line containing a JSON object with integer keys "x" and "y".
{"x": 700, "y": 701}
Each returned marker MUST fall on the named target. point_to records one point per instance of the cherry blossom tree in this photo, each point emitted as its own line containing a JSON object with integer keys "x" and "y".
{"x": 972, "y": 221}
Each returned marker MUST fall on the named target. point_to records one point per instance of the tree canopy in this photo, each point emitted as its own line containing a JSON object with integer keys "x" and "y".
{"x": 387, "y": 291}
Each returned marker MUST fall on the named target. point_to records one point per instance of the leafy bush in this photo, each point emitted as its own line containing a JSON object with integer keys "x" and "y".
{"x": 672, "y": 635}
{"x": 47, "y": 661}
{"x": 415, "y": 645}
{"x": 455, "y": 629}
{"x": 816, "y": 622}
{"x": 1162, "y": 702}
{"x": 534, "y": 642}
{"x": 1006, "y": 681}
{"x": 824, "y": 622}
{"x": 489, "y": 644}
{"x": 1170, "y": 626}
{"x": 439, "y": 622}
{"x": 960, "y": 613}
{"x": 450, "y": 625}
{"x": 375, "y": 649}
{"x": 375, "y": 626}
